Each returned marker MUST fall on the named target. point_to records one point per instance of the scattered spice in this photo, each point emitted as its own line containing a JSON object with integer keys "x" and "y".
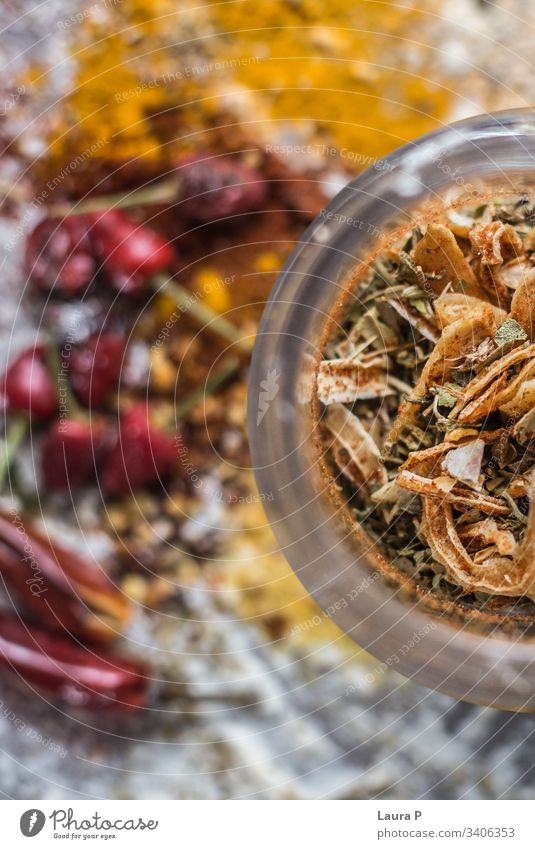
{"x": 204, "y": 70}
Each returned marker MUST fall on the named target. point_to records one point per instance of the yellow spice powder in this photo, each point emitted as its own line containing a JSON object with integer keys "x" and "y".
{"x": 151, "y": 78}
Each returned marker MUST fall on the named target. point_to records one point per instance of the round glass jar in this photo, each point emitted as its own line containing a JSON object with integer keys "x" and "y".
{"x": 485, "y": 659}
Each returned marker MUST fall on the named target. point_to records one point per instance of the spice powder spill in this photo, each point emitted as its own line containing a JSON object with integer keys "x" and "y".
{"x": 150, "y": 80}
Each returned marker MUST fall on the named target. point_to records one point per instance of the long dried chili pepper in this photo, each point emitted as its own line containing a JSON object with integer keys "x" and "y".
{"x": 73, "y": 674}
{"x": 65, "y": 590}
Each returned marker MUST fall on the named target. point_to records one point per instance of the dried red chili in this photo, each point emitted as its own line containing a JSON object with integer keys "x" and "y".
{"x": 71, "y": 452}
{"x": 213, "y": 188}
{"x": 28, "y": 385}
{"x": 130, "y": 253}
{"x": 95, "y": 366}
{"x": 141, "y": 455}
{"x": 59, "y": 255}
{"x": 74, "y": 674}
{"x": 64, "y": 589}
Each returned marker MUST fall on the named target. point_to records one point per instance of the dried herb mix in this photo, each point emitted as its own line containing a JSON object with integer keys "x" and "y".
{"x": 427, "y": 391}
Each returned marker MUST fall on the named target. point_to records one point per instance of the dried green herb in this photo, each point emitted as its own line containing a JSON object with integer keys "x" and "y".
{"x": 510, "y": 331}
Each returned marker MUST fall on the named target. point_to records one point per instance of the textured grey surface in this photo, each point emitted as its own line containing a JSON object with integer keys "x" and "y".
{"x": 276, "y": 726}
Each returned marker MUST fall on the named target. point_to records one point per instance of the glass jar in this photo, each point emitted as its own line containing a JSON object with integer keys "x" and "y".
{"x": 446, "y": 647}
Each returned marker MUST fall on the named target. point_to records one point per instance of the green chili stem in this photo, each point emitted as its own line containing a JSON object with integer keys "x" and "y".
{"x": 15, "y": 432}
{"x": 201, "y": 312}
{"x": 164, "y": 192}
{"x": 208, "y": 388}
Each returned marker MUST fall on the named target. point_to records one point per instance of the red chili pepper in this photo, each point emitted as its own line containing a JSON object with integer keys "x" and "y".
{"x": 71, "y": 452}
{"x": 77, "y": 675}
{"x": 59, "y": 255}
{"x": 130, "y": 253}
{"x": 141, "y": 455}
{"x": 65, "y": 590}
{"x": 214, "y": 187}
{"x": 28, "y": 385}
{"x": 95, "y": 367}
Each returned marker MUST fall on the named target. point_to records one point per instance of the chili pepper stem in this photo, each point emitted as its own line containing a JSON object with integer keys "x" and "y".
{"x": 208, "y": 388}
{"x": 15, "y": 433}
{"x": 163, "y": 192}
{"x": 188, "y": 302}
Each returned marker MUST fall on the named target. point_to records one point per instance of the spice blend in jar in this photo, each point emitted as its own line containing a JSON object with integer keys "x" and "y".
{"x": 427, "y": 394}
